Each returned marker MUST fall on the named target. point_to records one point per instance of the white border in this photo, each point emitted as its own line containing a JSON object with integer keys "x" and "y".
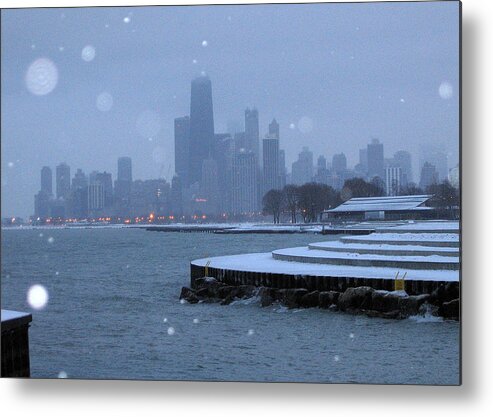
{"x": 121, "y": 398}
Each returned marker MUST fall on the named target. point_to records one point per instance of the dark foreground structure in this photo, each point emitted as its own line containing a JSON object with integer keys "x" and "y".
{"x": 15, "y": 344}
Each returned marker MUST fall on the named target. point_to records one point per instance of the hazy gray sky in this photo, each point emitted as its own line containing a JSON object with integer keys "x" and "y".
{"x": 339, "y": 74}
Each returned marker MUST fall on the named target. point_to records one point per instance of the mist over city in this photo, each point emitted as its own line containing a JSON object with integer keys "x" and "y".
{"x": 318, "y": 91}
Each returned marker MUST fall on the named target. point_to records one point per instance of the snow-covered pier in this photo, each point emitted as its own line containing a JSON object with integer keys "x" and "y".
{"x": 425, "y": 253}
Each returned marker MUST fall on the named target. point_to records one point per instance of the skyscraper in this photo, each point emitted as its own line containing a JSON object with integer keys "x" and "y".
{"x": 302, "y": 169}
{"x": 46, "y": 181}
{"x": 182, "y": 148}
{"x": 62, "y": 180}
{"x": 244, "y": 192}
{"x": 393, "y": 180}
{"x": 104, "y": 178}
{"x": 403, "y": 160}
{"x": 274, "y": 129}
{"x": 374, "y": 153}
{"x": 271, "y": 177}
{"x": 79, "y": 180}
{"x": 339, "y": 163}
{"x": 209, "y": 187}
{"x": 252, "y": 131}
{"x": 201, "y": 126}
{"x": 282, "y": 167}
{"x": 429, "y": 176}
{"x": 123, "y": 185}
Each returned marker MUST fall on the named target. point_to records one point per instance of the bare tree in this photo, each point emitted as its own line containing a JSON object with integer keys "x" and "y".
{"x": 272, "y": 204}
{"x": 290, "y": 192}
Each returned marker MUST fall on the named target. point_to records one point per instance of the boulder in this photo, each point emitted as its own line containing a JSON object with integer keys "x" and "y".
{"x": 310, "y": 299}
{"x": 226, "y": 301}
{"x": 384, "y": 301}
{"x": 291, "y": 297}
{"x": 245, "y": 291}
{"x": 224, "y": 291}
{"x": 327, "y": 298}
{"x": 428, "y": 309}
{"x": 409, "y": 306}
{"x": 355, "y": 298}
{"x": 189, "y": 295}
{"x": 267, "y": 296}
{"x": 450, "y": 309}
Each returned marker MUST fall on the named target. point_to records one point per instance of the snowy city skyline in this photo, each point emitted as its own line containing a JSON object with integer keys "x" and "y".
{"x": 345, "y": 75}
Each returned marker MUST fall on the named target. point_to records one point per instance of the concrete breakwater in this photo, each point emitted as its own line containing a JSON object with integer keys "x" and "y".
{"x": 442, "y": 301}
{"x": 423, "y": 257}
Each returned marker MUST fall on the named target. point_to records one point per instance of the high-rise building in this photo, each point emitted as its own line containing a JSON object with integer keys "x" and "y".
{"x": 429, "y": 176}
{"x": 252, "y": 132}
{"x": 282, "y": 167}
{"x": 123, "y": 186}
{"x": 363, "y": 160}
{"x": 339, "y": 163}
{"x": 244, "y": 190}
{"x": 302, "y": 169}
{"x": 375, "y": 158}
{"x": 182, "y": 148}
{"x": 124, "y": 169}
{"x": 209, "y": 187}
{"x": 224, "y": 152}
{"x": 403, "y": 160}
{"x": 62, "y": 181}
{"x": 201, "y": 126}
{"x": 95, "y": 199}
{"x": 322, "y": 175}
{"x": 274, "y": 129}
{"x": 79, "y": 180}
{"x": 271, "y": 176}
{"x": 104, "y": 178}
{"x": 46, "y": 181}
{"x": 393, "y": 180}
{"x": 176, "y": 197}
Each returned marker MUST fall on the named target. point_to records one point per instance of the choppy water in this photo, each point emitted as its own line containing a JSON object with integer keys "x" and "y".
{"x": 116, "y": 296}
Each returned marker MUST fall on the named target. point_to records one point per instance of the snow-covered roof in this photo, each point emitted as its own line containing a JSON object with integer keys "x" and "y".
{"x": 397, "y": 203}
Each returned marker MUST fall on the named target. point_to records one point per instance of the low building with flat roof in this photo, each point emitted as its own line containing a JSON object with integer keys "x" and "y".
{"x": 380, "y": 208}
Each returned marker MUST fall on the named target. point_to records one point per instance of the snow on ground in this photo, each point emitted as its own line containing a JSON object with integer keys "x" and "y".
{"x": 263, "y": 262}
{"x": 322, "y": 254}
{"x": 11, "y": 315}
{"x": 389, "y": 237}
{"x": 337, "y": 244}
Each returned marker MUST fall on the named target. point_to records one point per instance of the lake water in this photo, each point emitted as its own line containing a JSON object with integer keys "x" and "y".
{"x": 113, "y": 313}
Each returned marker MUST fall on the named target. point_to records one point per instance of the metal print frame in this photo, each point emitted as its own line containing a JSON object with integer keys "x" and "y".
{"x": 262, "y": 193}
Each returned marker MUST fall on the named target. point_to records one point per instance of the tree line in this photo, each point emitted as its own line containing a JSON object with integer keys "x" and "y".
{"x": 309, "y": 200}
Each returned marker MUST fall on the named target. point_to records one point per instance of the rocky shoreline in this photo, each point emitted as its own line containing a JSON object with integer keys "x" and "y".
{"x": 443, "y": 301}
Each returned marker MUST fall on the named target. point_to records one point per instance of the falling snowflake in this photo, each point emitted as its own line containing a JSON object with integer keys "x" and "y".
{"x": 88, "y": 53}
{"x": 292, "y": 126}
{"x": 336, "y": 358}
{"x": 171, "y": 331}
{"x": 61, "y": 48}
{"x": 351, "y": 335}
{"x": 37, "y": 297}
{"x": 10, "y": 164}
{"x": 165, "y": 320}
{"x": 57, "y": 273}
{"x": 251, "y": 332}
{"x": 195, "y": 321}
{"x": 51, "y": 239}
{"x": 205, "y": 43}
{"x": 194, "y": 61}
{"x": 402, "y": 100}
{"x": 445, "y": 90}
{"x": 104, "y": 101}
{"x": 126, "y": 19}
{"x": 62, "y": 375}
{"x": 41, "y": 77}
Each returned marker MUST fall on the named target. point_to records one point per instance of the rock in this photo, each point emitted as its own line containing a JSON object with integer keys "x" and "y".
{"x": 203, "y": 293}
{"x": 189, "y": 295}
{"x": 224, "y": 291}
{"x": 385, "y": 301}
{"x": 438, "y": 295}
{"x": 328, "y": 298}
{"x": 226, "y": 301}
{"x": 245, "y": 291}
{"x": 452, "y": 291}
{"x": 409, "y": 306}
{"x": 355, "y": 298}
{"x": 310, "y": 300}
{"x": 267, "y": 296}
{"x": 291, "y": 297}
{"x": 450, "y": 309}
{"x": 428, "y": 309}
